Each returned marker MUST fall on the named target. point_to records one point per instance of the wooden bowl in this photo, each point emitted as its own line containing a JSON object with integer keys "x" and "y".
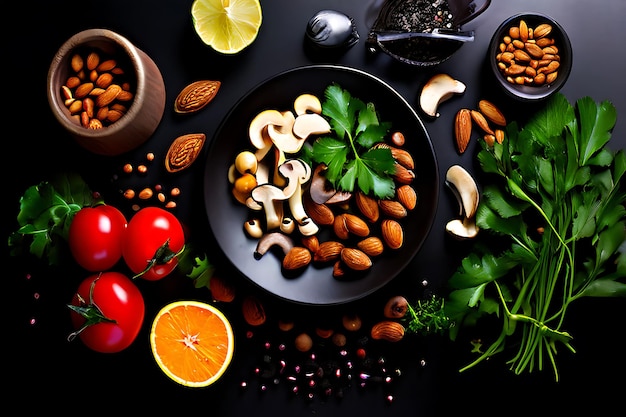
{"x": 130, "y": 118}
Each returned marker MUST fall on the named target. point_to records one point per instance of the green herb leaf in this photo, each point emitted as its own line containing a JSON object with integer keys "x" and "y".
{"x": 558, "y": 199}
{"x": 46, "y": 212}
{"x": 351, "y": 157}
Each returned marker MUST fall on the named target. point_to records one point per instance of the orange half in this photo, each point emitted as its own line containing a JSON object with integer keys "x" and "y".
{"x": 192, "y": 342}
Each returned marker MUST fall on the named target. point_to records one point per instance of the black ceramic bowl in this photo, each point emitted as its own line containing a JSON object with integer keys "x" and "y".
{"x": 316, "y": 285}
{"x": 528, "y": 63}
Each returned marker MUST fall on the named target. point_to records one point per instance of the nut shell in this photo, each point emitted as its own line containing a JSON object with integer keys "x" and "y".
{"x": 184, "y": 151}
{"x": 196, "y": 95}
{"x": 388, "y": 330}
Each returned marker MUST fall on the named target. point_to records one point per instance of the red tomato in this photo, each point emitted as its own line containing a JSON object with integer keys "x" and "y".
{"x": 95, "y": 237}
{"x": 114, "y": 297}
{"x": 153, "y": 238}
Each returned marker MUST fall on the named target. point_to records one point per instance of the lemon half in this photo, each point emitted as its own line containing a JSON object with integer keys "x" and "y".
{"x": 227, "y": 26}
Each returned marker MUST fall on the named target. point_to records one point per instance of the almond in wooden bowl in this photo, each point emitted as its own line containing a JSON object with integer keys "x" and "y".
{"x": 107, "y": 93}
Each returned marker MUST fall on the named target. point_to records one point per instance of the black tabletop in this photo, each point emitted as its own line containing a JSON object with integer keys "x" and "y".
{"x": 54, "y": 375}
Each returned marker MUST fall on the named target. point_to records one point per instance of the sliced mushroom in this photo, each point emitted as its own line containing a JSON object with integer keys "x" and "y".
{"x": 270, "y": 197}
{"x": 253, "y": 228}
{"x": 307, "y": 103}
{"x": 282, "y": 134}
{"x": 320, "y": 189}
{"x": 462, "y": 229}
{"x": 257, "y": 131}
{"x": 288, "y": 225}
{"x": 464, "y": 188}
{"x": 273, "y": 239}
{"x": 438, "y": 89}
{"x": 308, "y": 124}
{"x": 298, "y": 173}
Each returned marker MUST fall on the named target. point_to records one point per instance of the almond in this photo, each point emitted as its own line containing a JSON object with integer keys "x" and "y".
{"x": 328, "y": 251}
{"x": 356, "y": 225}
{"x": 542, "y": 30}
{"x": 339, "y": 226}
{"x": 372, "y": 246}
{"x": 253, "y": 311}
{"x": 196, "y": 95}
{"x": 367, "y": 206}
{"x": 481, "y": 121}
{"x": 312, "y": 243}
{"x": 491, "y": 112}
{"x": 83, "y": 90}
{"x": 221, "y": 290}
{"x": 499, "y": 136}
{"x": 320, "y": 213}
{"x": 107, "y": 65}
{"x": 297, "y": 258}
{"x": 391, "y": 331}
{"x": 402, "y": 174}
{"x": 93, "y": 59}
{"x": 109, "y": 94}
{"x": 403, "y": 157}
{"x": 393, "y": 208}
{"x": 392, "y": 233}
{"x": 356, "y": 259}
{"x": 407, "y": 196}
{"x": 183, "y": 151}
{"x": 462, "y": 129}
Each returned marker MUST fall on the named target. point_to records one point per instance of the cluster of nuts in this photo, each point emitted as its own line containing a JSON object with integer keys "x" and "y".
{"x": 146, "y": 194}
{"x": 98, "y": 91}
{"x": 363, "y": 226}
{"x": 529, "y": 56}
{"x": 488, "y": 118}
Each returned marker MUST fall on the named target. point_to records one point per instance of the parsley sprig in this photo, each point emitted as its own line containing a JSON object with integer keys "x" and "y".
{"x": 350, "y": 156}
{"x": 559, "y": 200}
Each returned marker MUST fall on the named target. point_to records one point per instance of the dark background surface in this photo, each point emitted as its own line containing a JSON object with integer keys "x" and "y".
{"x": 53, "y": 375}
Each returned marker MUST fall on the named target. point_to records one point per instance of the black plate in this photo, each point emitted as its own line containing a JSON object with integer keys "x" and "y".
{"x": 316, "y": 286}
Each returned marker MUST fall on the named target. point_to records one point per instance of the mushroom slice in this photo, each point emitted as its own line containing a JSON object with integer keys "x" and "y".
{"x": 257, "y": 130}
{"x": 297, "y": 172}
{"x": 462, "y": 229}
{"x": 464, "y": 188}
{"x": 320, "y": 189}
{"x": 271, "y": 239}
{"x": 270, "y": 197}
{"x": 310, "y": 124}
{"x": 253, "y": 228}
{"x": 307, "y": 103}
{"x": 439, "y": 88}
{"x": 282, "y": 134}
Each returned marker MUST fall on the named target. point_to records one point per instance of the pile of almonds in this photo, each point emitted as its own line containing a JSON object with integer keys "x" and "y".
{"x": 529, "y": 56}
{"x": 488, "y": 118}
{"x": 363, "y": 226}
{"x": 98, "y": 91}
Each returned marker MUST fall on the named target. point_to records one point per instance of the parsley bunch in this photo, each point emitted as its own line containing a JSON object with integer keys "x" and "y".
{"x": 558, "y": 208}
{"x": 350, "y": 156}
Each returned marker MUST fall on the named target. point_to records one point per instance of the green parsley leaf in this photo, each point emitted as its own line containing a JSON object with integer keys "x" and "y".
{"x": 351, "y": 158}
{"x": 558, "y": 200}
{"x": 46, "y": 212}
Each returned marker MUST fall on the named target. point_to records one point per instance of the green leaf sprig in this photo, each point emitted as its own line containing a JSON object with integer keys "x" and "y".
{"x": 558, "y": 206}
{"x": 351, "y": 158}
{"x": 46, "y": 212}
